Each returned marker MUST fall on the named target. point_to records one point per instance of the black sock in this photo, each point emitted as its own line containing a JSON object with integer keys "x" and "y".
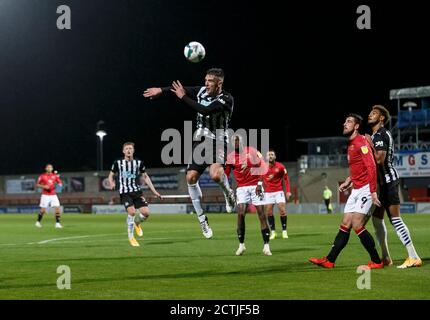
{"x": 271, "y": 220}
{"x": 284, "y": 222}
{"x": 39, "y": 217}
{"x": 241, "y": 230}
{"x": 368, "y": 242}
{"x": 339, "y": 243}
{"x": 266, "y": 235}
{"x": 57, "y": 218}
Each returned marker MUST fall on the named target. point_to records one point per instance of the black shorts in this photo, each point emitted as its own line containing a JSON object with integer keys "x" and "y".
{"x": 135, "y": 199}
{"x": 389, "y": 194}
{"x": 205, "y": 153}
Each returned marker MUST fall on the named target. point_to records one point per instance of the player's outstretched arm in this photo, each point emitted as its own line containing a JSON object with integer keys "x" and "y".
{"x": 215, "y": 106}
{"x": 152, "y": 92}
{"x": 157, "y": 91}
{"x": 148, "y": 182}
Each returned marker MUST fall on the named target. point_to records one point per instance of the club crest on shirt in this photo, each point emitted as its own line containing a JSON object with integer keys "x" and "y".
{"x": 364, "y": 149}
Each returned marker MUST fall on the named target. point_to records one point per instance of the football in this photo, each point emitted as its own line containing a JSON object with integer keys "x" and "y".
{"x": 194, "y": 52}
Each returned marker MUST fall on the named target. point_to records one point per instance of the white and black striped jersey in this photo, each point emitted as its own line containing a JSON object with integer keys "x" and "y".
{"x": 213, "y": 113}
{"x": 208, "y": 124}
{"x": 128, "y": 174}
{"x": 382, "y": 140}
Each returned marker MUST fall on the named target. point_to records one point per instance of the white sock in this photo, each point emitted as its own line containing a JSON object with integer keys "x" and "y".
{"x": 195, "y": 194}
{"x": 130, "y": 226}
{"x": 404, "y": 236}
{"x": 381, "y": 236}
{"x": 224, "y": 185}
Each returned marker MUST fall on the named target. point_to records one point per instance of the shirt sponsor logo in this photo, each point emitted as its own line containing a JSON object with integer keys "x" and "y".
{"x": 379, "y": 144}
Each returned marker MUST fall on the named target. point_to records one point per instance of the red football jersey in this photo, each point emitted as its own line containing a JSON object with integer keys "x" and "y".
{"x": 255, "y": 166}
{"x": 274, "y": 176}
{"x": 49, "y": 179}
{"x": 362, "y": 165}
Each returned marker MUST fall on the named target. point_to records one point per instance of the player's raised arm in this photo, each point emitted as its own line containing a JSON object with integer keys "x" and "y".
{"x": 215, "y": 106}
{"x": 151, "y": 187}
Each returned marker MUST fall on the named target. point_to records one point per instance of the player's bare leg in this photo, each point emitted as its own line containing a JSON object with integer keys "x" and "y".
{"x": 42, "y": 212}
{"x": 131, "y": 211}
{"x": 403, "y": 233}
{"x": 196, "y": 194}
{"x": 381, "y": 234}
{"x": 216, "y": 171}
{"x": 57, "y": 218}
{"x": 268, "y": 208}
{"x": 241, "y": 212}
{"x": 283, "y": 217}
{"x": 139, "y": 218}
{"x": 265, "y": 232}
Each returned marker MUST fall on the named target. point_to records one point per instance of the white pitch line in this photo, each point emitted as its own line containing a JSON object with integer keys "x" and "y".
{"x": 75, "y": 237}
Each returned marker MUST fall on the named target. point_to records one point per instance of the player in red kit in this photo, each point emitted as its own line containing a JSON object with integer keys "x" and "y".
{"x": 248, "y": 167}
{"x": 362, "y": 179}
{"x": 274, "y": 191}
{"x": 49, "y": 198}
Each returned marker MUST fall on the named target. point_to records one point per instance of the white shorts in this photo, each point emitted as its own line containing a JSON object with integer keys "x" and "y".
{"x": 275, "y": 197}
{"x": 49, "y": 201}
{"x": 248, "y": 195}
{"x": 360, "y": 200}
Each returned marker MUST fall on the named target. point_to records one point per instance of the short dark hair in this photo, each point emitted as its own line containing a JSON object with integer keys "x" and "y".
{"x": 357, "y": 118}
{"x": 272, "y": 150}
{"x": 384, "y": 112}
{"x": 217, "y": 72}
{"x": 128, "y": 144}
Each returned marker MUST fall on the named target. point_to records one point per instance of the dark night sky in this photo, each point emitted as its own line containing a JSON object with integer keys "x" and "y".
{"x": 297, "y": 70}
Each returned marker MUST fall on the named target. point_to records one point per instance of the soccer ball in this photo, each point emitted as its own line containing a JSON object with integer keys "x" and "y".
{"x": 194, "y": 52}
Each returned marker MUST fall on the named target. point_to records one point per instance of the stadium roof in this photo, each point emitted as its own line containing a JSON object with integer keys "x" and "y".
{"x": 323, "y": 139}
{"x": 410, "y": 93}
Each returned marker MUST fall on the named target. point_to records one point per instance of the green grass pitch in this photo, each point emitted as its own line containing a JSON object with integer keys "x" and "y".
{"x": 176, "y": 262}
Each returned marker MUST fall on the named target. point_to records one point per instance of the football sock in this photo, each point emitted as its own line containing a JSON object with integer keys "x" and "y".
{"x": 339, "y": 243}
{"x": 284, "y": 222}
{"x": 130, "y": 225}
{"x": 39, "y": 217}
{"x": 381, "y": 236}
{"x": 271, "y": 220}
{"x": 57, "y": 218}
{"x": 368, "y": 242}
{"x": 404, "y": 235}
{"x": 224, "y": 185}
{"x": 241, "y": 229}
{"x": 266, "y": 235}
{"x": 195, "y": 194}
